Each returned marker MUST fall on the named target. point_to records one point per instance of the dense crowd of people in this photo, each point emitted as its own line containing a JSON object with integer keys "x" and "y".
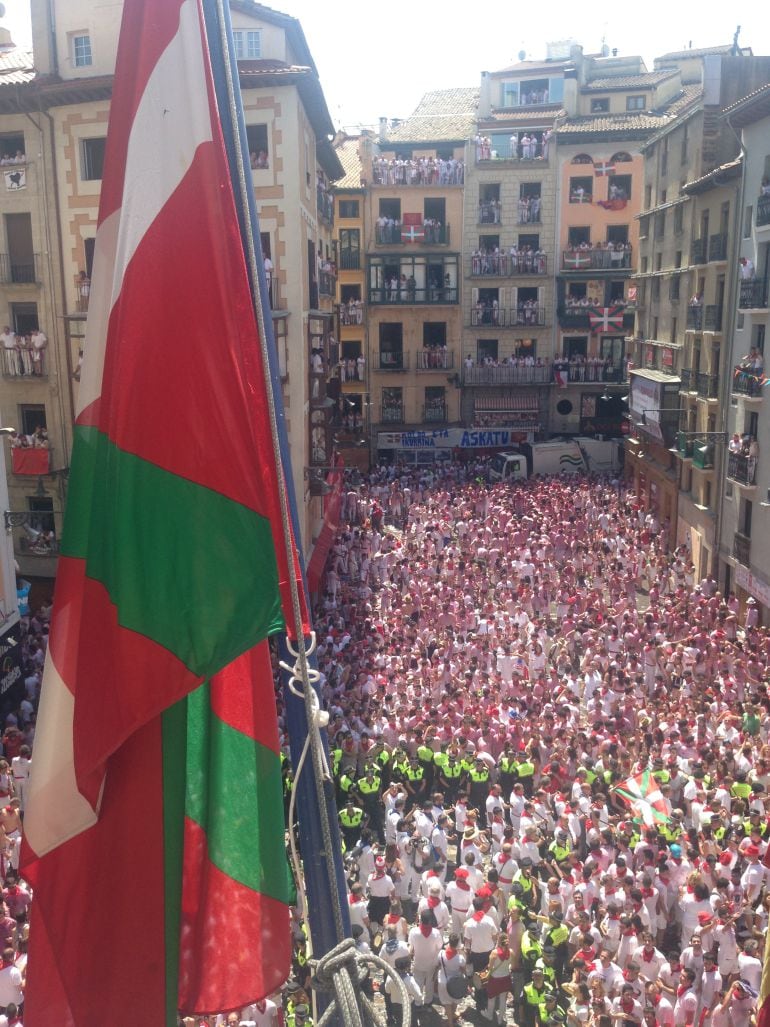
{"x": 418, "y": 171}
{"x": 509, "y": 671}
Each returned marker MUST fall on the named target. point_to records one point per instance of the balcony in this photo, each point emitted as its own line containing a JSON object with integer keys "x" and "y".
{"x": 82, "y": 292}
{"x": 422, "y": 172}
{"x": 424, "y": 234}
{"x": 597, "y": 259}
{"x": 351, "y": 313}
{"x": 763, "y": 210}
{"x": 490, "y": 212}
{"x": 703, "y": 454}
{"x": 505, "y": 265}
{"x": 325, "y": 206}
{"x": 718, "y": 247}
{"x": 393, "y": 361}
{"x": 699, "y": 251}
{"x": 327, "y": 283}
{"x": 529, "y": 214}
{"x": 713, "y": 319}
{"x": 507, "y": 375}
{"x": 742, "y": 548}
{"x": 350, "y": 260}
{"x": 695, "y": 318}
{"x": 393, "y": 413}
{"x": 592, "y": 371}
{"x": 16, "y": 271}
{"x": 684, "y": 446}
{"x": 435, "y": 360}
{"x": 753, "y": 294}
{"x": 25, "y": 363}
{"x": 43, "y": 544}
{"x": 689, "y": 380}
{"x": 435, "y": 412}
{"x": 504, "y": 318}
{"x": 742, "y": 468}
{"x": 748, "y": 383}
{"x": 406, "y": 294}
{"x": 707, "y": 386}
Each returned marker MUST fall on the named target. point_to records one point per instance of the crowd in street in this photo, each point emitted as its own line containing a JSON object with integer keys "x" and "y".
{"x": 502, "y": 665}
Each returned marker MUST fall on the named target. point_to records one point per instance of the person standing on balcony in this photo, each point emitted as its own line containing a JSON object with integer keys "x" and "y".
{"x": 268, "y": 275}
{"x": 38, "y": 342}
{"x": 747, "y": 268}
{"x": 514, "y": 141}
{"x": 11, "y": 356}
{"x": 25, "y": 352}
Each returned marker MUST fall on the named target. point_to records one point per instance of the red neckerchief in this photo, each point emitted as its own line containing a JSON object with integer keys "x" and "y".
{"x": 478, "y": 916}
{"x": 502, "y": 953}
{"x": 355, "y": 898}
{"x": 680, "y": 991}
{"x": 450, "y": 953}
{"x": 645, "y": 957}
{"x": 393, "y": 918}
{"x": 648, "y": 892}
{"x": 426, "y": 930}
{"x": 463, "y": 885}
{"x": 432, "y": 903}
{"x": 627, "y": 1004}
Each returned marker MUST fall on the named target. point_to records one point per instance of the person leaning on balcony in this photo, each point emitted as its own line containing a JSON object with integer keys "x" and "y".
{"x": 10, "y": 352}
{"x": 38, "y": 342}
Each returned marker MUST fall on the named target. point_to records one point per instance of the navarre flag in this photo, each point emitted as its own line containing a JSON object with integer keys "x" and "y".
{"x": 603, "y": 167}
{"x": 154, "y": 832}
{"x": 644, "y": 797}
{"x": 606, "y": 319}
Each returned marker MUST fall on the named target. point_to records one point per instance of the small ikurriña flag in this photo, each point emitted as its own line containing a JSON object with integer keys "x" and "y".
{"x": 606, "y": 319}
{"x": 603, "y": 167}
{"x": 154, "y": 831}
{"x": 412, "y": 228}
{"x": 643, "y": 795}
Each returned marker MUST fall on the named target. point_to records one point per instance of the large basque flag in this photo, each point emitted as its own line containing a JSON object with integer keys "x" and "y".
{"x": 154, "y": 835}
{"x": 643, "y": 795}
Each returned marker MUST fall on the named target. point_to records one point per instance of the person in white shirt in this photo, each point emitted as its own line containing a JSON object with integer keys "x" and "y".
{"x": 480, "y": 935}
{"x": 460, "y": 895}
{"x": 424, "y": 945}
{"x": 686, "y": 1004}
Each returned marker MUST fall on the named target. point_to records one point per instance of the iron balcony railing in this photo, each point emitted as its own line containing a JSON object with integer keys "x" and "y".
{"x": 695, "y": 318}
{"x": 506, "y": 265}
{"x": 500, "y": 317}
{"x": 350, "y": 260}
{"x": 490, "y": 212}
{"x": 434, "y": 412}
{"x": 684, "y": 445}
{"x": 409, "y": 235}
{"x": 718, "y": 246}
{"x": 748, "y": 383}
{"x": 325, "y": 206}
{"x": 753, "y": 294}
{"x": 763, "y": 210}
{"x": 713, "y": 319}
{"x": 19, "y": 271}
{"x": 393, "y": 361}
{"x": 435, "y": 360}
{"x": 699, "y": 251}
{"x": 597, "y": 259}
{"x": 689, "y": 380}
{"x": 703, "y": 454}
{"x": 507, "y": 375}
{"x": 742, "y": 548}
{"x": 406, "y": 294}
{"x": 393, "y": 413}
{"x": 351, "y": 314}
{"x": 742, "y": 469}
{"x": 327, "y": 283}
{"x": 707, "y": 386}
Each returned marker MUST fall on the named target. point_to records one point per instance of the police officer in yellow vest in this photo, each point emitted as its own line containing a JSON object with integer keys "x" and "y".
{"x": 532, "y": 996}
{"x": 414, "y": 781}
{"x": 478, "y": 781}
{"x": 351, "y": 822}
{"x": 740, "y": 788}
{"x": 369, "y": 788}
{"x": 525, "y": 773}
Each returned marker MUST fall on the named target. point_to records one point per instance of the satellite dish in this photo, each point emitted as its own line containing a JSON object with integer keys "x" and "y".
{"x": 522, "y": 53}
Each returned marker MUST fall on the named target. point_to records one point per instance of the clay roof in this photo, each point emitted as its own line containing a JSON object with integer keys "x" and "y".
{"x": 350, "y": 159}
{"x": 442, "y": 115}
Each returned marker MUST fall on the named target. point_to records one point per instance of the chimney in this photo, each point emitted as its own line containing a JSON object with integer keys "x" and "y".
{"x": 570, "y": 101}
{"x": 485, "y": 96}
{"x": 383, "y": 129}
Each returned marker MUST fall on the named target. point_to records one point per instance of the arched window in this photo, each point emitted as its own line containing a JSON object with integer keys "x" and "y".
{"x": 621, "y": 158}
{"x": 582, "y": 158}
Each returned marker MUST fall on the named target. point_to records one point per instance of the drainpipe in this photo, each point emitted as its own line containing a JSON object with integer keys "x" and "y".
{"x": 725, "y": 384}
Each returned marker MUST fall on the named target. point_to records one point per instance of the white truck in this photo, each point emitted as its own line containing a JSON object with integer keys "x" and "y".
{"x": 559, "y": 456}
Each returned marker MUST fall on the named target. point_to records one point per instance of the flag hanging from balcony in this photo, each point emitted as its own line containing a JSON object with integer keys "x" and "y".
{"x": 604, "y": 167}
{"x": 606, "y": 319}
{"x": 576, "y": 260}
{"x": 615, "y": 204}
{"x": 154, "y": 831}
{"x": 412, "y": 228}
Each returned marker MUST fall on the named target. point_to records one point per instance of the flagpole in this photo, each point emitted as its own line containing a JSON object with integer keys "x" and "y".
{"x": 317, "y": 815}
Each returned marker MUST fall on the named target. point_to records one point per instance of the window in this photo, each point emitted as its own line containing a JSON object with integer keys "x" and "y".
{"x": 647, "y": 197}
{"x": 644, "y": 265}
{"x": 81, "y": 50}
{"x": 759, "y": 337}
{"x": 12, "y": 145}
{"x": 392, "y": 404}
{"x": 41, "y": 508}
{"x": 678, "y": 259}
{"x": 617, "y": 234}
{"x": 635, "y": 103}
{"x": 92, "y": 159}
{"x": 32, "y": 416}
{"x": 655, "y": 289}
{"x": 600, "y": 105}
{"x": 435, "y": 403}
{"x": 683, "y": 159}
{"x": 391, "y": 346}
{"x": 24, "y": 318}
{"x": 664, "y": 158}
{"x": 350, "y": 249}
{"x": 644, "y": 226}
{"x": 581, "y": 189}
{"x": 349, "y": 209}
{"x": 486, "y": 349}
{"x": 259, "y": 151}
{"x": 678, "y": 219}
{"x": 675, "y": 288}
{"x": 390, "y": 209}
{"x": 660, "y": 223}
{"x": 582, "y": 158}
{"x": 619, "y": 187}
{"x": 658, "y": 261}
{"x": 248, "y": 44}
{"x": 577, "y": 235}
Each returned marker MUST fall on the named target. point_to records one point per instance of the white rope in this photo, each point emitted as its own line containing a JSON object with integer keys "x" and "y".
{"x": 341, "y": 972}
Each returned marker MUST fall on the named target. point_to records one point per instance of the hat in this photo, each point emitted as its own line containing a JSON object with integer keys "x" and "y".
{"x": 302, "y": 1010}
{"x": 752, "y": 851}
{"x": 461, "y": 874}
{"x": 526, "y": 862}
{"x": 676, "y": 850}
{"x": 704, "y": 918}
{"x": 725, "y": 859}
{"x": 752, "y": 601}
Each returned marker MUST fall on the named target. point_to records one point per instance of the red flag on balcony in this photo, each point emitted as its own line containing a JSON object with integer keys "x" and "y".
{"x": 412, "y": 229}
{"x": 606, "y": 319}
{"x": 29, "y": 461}
{"x": 603, "y": 167}
{"x": 613, "y": 204}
